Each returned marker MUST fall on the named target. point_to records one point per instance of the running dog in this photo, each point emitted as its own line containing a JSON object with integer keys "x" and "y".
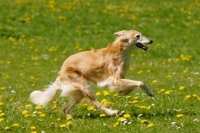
{"x": 105, "y": 67}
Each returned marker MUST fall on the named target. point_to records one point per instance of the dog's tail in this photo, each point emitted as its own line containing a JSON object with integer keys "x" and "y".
{"x": 43, "y": 97}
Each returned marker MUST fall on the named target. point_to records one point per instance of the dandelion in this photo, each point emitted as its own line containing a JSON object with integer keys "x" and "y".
{"x": 68, "y": 117}
{"x": 102, "y": 115}
{"x": 28, "y": 105}
{"x": 127, "y": 115}
{"x": 1, "y": 103}
{"x": 90, "y": 108}
{"x": 121, "y": 119}
{"x": 38, "y": 107}
{"x": 1, "y": 119}
{"x": 42, "y": 115}
{"x": 148, "y": 107}
{"x": 162, "y": 90}
{"x": 98, "y": 94}
{"x": 33, "y": 127}
{"x": 181, "y": 88}
{"x": 116, "y": 95}
{"x": 115, "y": 124}
{"x": 63, "y": 125}
{"x": 15, "y": 125}
{"x": 194, "y": 95}
{"x": 106, "y": 93}
{"x": 168, "y": 92}
{"x": 144, "y": 121}
{"x": 150, "y": 125}
{"x": 128, "y": 97}
{"x": 69, "y": 123}
{"x": 155, "y": 81}
{"x": 139, "y": 72}
{"x": 179, "y": 115}
{"x": 187, "y": 97}
{"x": 25, "y": 112}
{"x": 6, "y": 128}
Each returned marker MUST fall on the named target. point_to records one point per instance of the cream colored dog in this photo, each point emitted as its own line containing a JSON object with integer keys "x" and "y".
{"x": 105, "y": 67}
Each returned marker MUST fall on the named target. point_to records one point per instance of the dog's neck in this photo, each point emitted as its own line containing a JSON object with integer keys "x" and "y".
{"x": 123, "y": 49}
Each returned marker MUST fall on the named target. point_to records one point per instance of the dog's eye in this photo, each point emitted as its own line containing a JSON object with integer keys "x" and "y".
{"x": 137, "y": 36}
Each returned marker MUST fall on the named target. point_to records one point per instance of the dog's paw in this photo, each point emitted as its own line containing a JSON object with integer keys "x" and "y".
{"x": 152, "y": 94}
{"x": 112, "y": 112}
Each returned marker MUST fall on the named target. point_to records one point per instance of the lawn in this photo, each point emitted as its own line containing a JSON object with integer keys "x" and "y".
{"x": 36, "y": 36}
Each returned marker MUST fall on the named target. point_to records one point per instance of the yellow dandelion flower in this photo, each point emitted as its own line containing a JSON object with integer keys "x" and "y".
{"x": 104, "y": 101}
{"x": 121, "y": 119}
{"x": 179, "y": 115}
{"x": 69, "y": 123}
{"x": 2, "y": 114}
{"x": 106, "y": 93}
{"x": 181, "y": 88}
{"x": 150, "y": 125}
{"x": 28, "y": 105}
{"x": 69, "y": 117}
{"x": 144, "y": 121}
{"x": 63, "y": 125}
{"x": 98, "y": 94}
{"x": 1, "y": 103}
{"x": 116, "y": 95}
{"x": 90, "y": 108}
{"x": 127, "y": 115}
{"x": 155, "y": 81}
{"x": 42, "y": 115}
{"x": 1, "y": 119}
{"x": 168, "y": 92}
{"x": 25, "y": 112}
{"x": 15, "y": 125}
{"x": 162, "y": 90}
{"x": 148, "y": 107}
{"x": 115, "y": 124}
{"x": 194, "y": 95}
{"x": 58, "y": 119}
{"x": 6, "y": 128}
{"x": 136, "y": 97}
{"x": 33, "y": 127}
{"x": 102, "y": 115}
{"x": 38, "y": 107}
{"x": 187, "y": 97}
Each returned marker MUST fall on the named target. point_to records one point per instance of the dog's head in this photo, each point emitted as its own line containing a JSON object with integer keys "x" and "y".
{"x": 132, "y": 38}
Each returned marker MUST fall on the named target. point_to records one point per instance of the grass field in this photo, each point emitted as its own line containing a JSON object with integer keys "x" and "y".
{"x": 36, "y": 36}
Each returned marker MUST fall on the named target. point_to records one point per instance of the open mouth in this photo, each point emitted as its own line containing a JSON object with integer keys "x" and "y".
{"x": 139, "y": 45}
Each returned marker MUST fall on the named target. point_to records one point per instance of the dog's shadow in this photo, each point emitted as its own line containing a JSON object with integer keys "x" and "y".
{"x": 147, "y": 115}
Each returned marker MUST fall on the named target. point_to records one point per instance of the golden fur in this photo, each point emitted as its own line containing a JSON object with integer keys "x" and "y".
{"x": 105, "y": 67}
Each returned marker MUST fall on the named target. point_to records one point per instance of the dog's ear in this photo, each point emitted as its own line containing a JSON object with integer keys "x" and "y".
{"x": 119, "y": 33}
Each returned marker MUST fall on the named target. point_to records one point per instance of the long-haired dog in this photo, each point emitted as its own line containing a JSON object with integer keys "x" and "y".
{"x": 105, "y": 67}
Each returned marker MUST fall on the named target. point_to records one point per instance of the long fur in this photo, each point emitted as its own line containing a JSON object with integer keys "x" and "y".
{"x": 105, "y": 67}
{"x": 43, "y": 97}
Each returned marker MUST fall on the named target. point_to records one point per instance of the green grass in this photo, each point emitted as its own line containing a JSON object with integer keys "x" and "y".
{"x": 36, "y": 36}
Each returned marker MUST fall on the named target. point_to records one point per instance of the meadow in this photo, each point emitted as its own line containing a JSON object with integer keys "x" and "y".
{"x": 36, "y": 36}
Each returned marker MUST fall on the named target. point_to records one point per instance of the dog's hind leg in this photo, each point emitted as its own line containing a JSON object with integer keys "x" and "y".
{"x": 73, "y": 101}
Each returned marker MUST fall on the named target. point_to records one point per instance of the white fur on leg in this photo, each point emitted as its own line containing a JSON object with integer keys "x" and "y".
{"x": 43, "y": 97}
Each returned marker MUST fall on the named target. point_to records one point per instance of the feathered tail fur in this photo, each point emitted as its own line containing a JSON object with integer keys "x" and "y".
{"x": 43, "y": 97}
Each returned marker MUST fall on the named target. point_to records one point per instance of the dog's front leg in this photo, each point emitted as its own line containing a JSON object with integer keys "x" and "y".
{"x": 127, "y": 86}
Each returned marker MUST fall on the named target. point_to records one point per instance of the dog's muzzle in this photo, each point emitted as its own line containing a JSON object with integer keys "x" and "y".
{"x": 140, "y": 45}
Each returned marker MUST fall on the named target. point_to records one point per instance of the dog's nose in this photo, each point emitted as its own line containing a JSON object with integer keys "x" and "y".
{"x": 151, "y": 41}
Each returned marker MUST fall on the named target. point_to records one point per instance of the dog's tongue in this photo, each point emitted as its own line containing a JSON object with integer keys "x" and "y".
{"x": 139, "y": 45}
{"x": 144, "y": 48}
